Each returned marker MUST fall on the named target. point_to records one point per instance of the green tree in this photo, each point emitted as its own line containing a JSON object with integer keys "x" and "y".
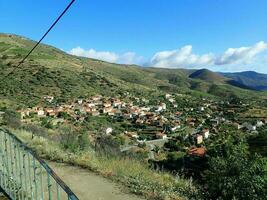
{"x": 234, "y": 173}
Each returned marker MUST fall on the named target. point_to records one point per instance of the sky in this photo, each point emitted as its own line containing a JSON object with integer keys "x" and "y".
{"x": 221, "y": 35}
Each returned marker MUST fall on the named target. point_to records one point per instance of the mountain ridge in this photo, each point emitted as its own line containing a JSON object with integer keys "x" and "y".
{"x": 50, "y": 71}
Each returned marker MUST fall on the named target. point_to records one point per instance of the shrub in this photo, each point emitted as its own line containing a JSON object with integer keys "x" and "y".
{"x": 11, "y": 119}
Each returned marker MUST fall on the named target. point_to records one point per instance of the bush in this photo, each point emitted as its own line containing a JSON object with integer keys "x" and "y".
{"x": 72, "y": 139}
{"x": 36, "y": 130}
{"x": 11, "y": 119}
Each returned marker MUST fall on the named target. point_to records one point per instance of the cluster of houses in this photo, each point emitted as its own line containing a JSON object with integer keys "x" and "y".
{"x": 160, "y": 121}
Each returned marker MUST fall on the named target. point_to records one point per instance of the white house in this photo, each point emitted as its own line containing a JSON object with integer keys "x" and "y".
{"x": 109, "y": 131}
{"x": 259, "y": 123}
{"x": 206, "y": 133}
{"x": 175, "y": 128}
{"x": 199, "y": 139}
{"x": 80, "y": 101}
{"x": 171, "y": 100}
{"x": 167, "y": 96}
{"x": 40, "y": 113}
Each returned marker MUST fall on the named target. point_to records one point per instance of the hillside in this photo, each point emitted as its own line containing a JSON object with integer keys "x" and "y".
{"x": 207, "y": 75}
{"x": 248, "y": 79}
{"x": 50, "y": 71}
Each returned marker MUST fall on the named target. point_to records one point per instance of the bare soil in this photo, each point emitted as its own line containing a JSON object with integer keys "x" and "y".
{"x": 90, "y": 186}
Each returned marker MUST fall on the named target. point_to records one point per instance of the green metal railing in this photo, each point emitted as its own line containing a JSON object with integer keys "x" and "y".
{"x": 24, "y": 176}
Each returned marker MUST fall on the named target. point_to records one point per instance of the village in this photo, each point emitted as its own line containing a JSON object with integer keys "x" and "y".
{"x": 151, "y": 125}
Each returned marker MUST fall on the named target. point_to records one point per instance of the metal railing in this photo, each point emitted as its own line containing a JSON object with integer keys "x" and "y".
{"x": 24, "y": 176}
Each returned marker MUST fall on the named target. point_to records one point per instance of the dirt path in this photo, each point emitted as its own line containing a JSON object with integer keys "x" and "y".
{"x": 89, "y": 186}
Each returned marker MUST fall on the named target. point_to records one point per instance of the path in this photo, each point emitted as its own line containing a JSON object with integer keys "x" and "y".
{"x": 89, "y": 186}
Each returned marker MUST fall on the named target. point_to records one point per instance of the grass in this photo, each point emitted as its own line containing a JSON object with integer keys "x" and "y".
{"x": 50, "y": 71}
{"x": 137, "y": 176}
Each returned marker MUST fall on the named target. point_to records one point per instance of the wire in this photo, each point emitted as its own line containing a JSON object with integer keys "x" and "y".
{"x": 52, "y": 26}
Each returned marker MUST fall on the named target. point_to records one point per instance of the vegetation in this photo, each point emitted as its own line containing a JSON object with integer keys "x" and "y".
{"x": 49, "y": 71}
{"x": 233, "y": 165}
{"x": 136, "y": 175}
{"x": 234, "y": 173}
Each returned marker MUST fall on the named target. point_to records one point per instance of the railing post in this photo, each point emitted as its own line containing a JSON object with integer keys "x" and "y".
{"x": 49, "y": 185}
{"x": 21, "y": 170}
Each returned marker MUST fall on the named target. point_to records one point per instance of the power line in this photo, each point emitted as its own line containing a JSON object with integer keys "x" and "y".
{"x": 52, "y": 26}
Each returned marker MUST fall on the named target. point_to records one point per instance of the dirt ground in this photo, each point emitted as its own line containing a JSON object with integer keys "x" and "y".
{"x": 87, "y": 185}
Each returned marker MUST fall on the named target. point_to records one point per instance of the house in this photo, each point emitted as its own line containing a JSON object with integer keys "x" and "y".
{"x": 259, "y": 123}
{"x": 50, "y": 112}
{"x": 132, "y": 134}
{"x": 96, "y": 98}
{"x": 177, "y": 126}
{"x": 90, "y": 110}
{"x": 24, "y": 113}
{"x": 109, "y": 131}
{"x": 238, "y": 126}
{"x": 201, "y": 108}
{"x": 91, "y": 105}
{"x": 112, "y": 112}
{"x": 49, "y": 98}
{"x": 167, "y": 96}
{"x": 163, "y": 105}
{"x": 171, "y": 100}
{"x": 40, "y": 113}
{"x": 249, "y": 126}
{"x": 206, "y": 133}
{"x": 107, "y": 104}
{"x": 191, "y": 124}
{"x": 95, "y": 113}
{"x": 161, "y": 136}
{"x": 80, "y": 101}
{"x": 107, "y": 109}
{"x": 200, "y": 152}
{"x": 117, "y": 103}
{"x": 199, "y": 139}
{"x": 178, "y": 114}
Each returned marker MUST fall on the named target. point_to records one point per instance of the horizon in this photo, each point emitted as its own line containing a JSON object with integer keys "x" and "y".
{"x": 152, "y": 36}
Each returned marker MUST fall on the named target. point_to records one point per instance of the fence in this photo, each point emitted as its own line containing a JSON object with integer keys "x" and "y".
{"x": 24, "y": 176}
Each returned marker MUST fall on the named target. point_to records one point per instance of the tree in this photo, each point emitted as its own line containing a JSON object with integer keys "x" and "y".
{"x": 236, "y": 174}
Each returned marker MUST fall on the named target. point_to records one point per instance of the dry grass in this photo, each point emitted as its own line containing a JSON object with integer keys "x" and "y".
{"x": 137, "y": 176}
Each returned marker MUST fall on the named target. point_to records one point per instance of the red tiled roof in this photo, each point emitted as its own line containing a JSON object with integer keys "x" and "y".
{"x": 201, "y": 151}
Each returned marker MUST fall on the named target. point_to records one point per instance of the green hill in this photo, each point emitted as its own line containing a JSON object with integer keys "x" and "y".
{"x": 248, "y": 79}
{"x": 50, "y": 71}
{"x": 207, "y": 75}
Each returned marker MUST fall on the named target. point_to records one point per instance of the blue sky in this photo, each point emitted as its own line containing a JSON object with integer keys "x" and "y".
{"x": 222, "y": 35}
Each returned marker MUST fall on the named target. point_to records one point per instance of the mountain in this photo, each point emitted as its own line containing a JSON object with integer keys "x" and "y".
{"x": 248, "y": 79}
{"x": 50, "y": 71}
{"x": 207, "y": 75}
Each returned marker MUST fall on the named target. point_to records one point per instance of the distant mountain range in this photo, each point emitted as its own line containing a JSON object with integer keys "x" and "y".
{"x": 248, "y": 79}
{"x": 50, "y": 71}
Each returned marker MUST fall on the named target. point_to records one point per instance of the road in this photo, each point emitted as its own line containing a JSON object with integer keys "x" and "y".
{"x": 89, "y": 186}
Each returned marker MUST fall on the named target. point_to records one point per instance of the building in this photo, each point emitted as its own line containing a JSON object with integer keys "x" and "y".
{"x": 109, "y": 131}
{"x": 206, "y": 133}
{"x": 161, "y": 136}
{"x": 199, "y": 139}
{"x": 40, "y": 113}
{"x": 132, "y": 134}
{"x": 200, "y": 152}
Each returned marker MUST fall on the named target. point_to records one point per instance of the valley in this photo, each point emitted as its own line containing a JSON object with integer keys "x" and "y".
{"x": 162, "y": 133}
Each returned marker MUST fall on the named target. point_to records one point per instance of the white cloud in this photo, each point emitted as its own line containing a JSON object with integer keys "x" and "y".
{"x": 242, "y": 54}
{"x": 233, "y": 59}
{"x": 125, "y": 58}
{"x": 183, "y": 57}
